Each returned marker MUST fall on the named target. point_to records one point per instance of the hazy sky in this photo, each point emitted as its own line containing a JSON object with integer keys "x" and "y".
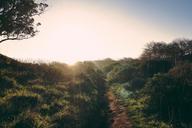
{"x": 75, "y": 30}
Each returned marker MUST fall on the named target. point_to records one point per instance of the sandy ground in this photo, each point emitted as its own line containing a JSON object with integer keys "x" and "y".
{"x": 119, "y": 117}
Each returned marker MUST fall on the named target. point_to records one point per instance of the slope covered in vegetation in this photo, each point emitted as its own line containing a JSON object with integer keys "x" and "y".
{"x": 154, "y": 90}
{"x": 51, "y": 95}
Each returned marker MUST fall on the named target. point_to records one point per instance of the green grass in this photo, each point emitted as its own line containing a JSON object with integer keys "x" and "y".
{"x": 135, "y": 106}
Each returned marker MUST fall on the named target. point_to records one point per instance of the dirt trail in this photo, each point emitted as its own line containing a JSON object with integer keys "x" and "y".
{"x": 119, "y": 118}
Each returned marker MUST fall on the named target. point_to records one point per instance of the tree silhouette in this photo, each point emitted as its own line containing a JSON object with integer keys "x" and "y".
{"x": 17, "y": 18}
{"x": 177, "y": 50}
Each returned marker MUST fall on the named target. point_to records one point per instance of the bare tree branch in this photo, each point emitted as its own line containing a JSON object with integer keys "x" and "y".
{"x": 14, "y": 38}
{"x": 1, "y": 41}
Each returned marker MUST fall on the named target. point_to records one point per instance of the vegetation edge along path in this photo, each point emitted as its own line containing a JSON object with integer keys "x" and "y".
{"x": 119, "y": 118}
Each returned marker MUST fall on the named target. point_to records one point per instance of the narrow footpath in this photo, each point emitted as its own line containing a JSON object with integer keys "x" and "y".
{"x": 119, "y": 118}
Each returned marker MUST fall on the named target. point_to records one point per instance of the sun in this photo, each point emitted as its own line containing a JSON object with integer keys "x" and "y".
{"x": 73, "y": 32}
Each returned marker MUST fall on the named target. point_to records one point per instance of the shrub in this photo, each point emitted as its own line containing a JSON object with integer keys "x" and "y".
{"x": 31, "y": 120}
{"x": 6, "y": 83}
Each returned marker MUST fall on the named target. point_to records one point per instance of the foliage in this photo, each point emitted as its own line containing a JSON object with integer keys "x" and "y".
{"x": 174, "y": 51}
{"x": 17, "y": 18}
{"x": 6, "y": 83}
{"x": 135, "y": 108}
{"x": 170, "y": 99}
{"x": 157, "y": 92}
{"x": 51, "y": 95}
{"x": 159, "y": 85}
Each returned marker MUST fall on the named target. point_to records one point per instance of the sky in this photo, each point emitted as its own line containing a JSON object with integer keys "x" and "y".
{"x": 78, "y": 30}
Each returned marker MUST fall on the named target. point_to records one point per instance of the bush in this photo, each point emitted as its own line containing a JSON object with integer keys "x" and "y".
{"x": 137, "y": 83}
{"x": 15, "y": 103}
{"x": 30, "y": 120}
{"x": 169, "y": 99}
{"x": 64, "y": 121}
{"x": 6, "y": 83}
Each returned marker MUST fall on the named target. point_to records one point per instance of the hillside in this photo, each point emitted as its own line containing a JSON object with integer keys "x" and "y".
{"x": 51, "y": 95}
{"x": 151, "y": 91}
{"x": 156, "y": 88}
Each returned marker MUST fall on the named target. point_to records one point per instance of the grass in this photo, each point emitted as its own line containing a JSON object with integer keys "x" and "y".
{"x": 135, "y": 108}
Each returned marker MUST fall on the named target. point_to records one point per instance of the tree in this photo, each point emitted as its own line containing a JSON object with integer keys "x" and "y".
{"x": 174, "y": 52}
{"x": 170, "y": 95}
{"x": 17, "y": 18}
{"x": 154, "y": 50}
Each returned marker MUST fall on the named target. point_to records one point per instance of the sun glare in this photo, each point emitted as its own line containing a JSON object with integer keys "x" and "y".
{"x": 85, "y": 33}
{"x": 74, "y": 32}
{"x": 77, "y": 34}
